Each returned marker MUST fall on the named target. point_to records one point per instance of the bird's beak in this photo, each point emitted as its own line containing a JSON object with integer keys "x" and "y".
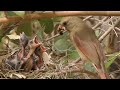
{"x": 61, "y": 27}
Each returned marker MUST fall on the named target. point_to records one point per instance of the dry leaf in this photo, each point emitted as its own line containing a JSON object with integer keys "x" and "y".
{"x": 18, "y": 75}
{"x": 13, "y": 36}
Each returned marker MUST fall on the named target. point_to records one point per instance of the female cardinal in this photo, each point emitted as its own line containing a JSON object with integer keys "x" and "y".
{"x": 85, "y": 42}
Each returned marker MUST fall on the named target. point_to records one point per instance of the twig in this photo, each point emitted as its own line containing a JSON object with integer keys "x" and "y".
{"x": 100, "y": 23}
{"x": 52, "y": 37}
{"x": 117, "y": 29}
{"x": 87, "y": 18}
{"x": 108, "y": 31}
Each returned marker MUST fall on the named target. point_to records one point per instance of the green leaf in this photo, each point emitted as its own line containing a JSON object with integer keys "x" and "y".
{"x": 1, "y": 14}
{"x": 61, "y": 45}
{"x": 111, "y": 59}
{"x": 48, "y": 23}
{"x": 0, "y": 38}
{"x": 88, "y": 66}
{"x": 11, "y": 13}
{"x": 56, "y": 19}
{"x": 19, "y": 13}
{"x": 1, "y": 35}
{"x": 40, "y": 35}
{"x": 73, "y": 55}
{"x": 97, "y": 32}
{"x": 26, "y": 28}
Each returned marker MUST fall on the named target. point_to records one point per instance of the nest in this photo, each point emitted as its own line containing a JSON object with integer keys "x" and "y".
{"x": 61, "y": 71}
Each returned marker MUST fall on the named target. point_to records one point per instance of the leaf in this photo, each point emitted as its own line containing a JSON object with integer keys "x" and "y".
{"x": 88, "y": 66}
{"x": 18, "y": 75}
{"x": 61, "y": 45}
{"x": 11, "y": 13}
{"x": 38, "y": 29}
{"x": 97, "y": 33}
{"x": 1, "y": 35}
{"x": 41, "y": 35}
{"x": 13, "y": 36}
{"x": 56, "y": 19}
{"x": 19, "y": 13}
{"x": 48, "y": 23}
{"x": 26, "y": 28}
{"x": 1, "y": 14}
{"x": 73, "y": 55}
{"x": 111, "y": 59}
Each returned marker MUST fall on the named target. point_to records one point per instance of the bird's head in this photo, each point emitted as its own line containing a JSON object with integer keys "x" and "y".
{"x": 23, "y": 39}
{"x": 69, "y": 23}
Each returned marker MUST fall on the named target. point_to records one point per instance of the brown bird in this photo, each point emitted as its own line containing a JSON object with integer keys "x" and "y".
{"x": 85, "y": 42}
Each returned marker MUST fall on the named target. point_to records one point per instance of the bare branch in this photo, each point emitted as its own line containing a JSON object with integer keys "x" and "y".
{"x": 100, "y": 23}
{"x": 59, "y": 14}
{"x": 108, "y": 31}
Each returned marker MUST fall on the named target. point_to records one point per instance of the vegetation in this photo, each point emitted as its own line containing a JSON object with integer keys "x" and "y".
{"x": 64, "y": 56}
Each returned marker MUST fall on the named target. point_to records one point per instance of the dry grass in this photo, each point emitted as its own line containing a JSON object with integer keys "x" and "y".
{"x": 69, "y": 71}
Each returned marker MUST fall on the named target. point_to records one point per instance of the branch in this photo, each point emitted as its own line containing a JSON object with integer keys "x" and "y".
{"x": 58, "y": 14}
{"x": 108, "y": 31}
{"x": 100, "y": 23}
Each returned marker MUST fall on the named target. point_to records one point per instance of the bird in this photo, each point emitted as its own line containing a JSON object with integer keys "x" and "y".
{"x": 38, "y": 53}
{"x": 86, "y": 43}
{"x": 15, "y": 59}
{"x": 23, "y": 42}
{"x": 28, "y": 62}
{"x": 28, "y": 65}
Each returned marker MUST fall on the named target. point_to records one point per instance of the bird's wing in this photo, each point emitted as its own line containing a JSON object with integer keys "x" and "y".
{"x": 91, "y": 49}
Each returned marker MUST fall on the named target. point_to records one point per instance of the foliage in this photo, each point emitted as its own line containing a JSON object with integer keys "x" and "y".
{"x": 45, "y": 29}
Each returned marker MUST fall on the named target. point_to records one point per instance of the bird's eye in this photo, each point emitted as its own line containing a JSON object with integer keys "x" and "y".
{"x": 65, "y": 23}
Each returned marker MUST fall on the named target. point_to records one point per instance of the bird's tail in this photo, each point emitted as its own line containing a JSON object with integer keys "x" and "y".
{"x": 102, "y": 72}
{"x": 103, "y": 75}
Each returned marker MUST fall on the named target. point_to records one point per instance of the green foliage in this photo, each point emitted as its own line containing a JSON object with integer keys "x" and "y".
{"x": 40, "y": 35}
{"x": 73, "y": 55}
{"x": 25, "y": 27}
{"x": 1, "y": 14}
{"x": 111, "y": 59}
{"x": 61, "y": 45}
{"x": 19, "y": 13}
{"x": 49, "y": 25}
{"x": 88, "y": 66}
{"x": 56, "y": 19}
{"x": 1, "y": 31}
